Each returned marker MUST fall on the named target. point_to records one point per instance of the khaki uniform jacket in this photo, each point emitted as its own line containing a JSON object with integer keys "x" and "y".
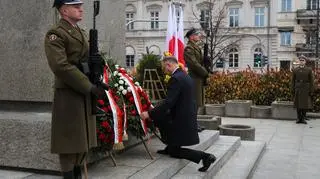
{"x": 194, "y": 60}
{"x": 73, "y": 125}
{"x": 302, "y": 87}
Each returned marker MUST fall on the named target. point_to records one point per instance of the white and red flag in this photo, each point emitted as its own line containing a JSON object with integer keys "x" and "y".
{"x": 175, "y": 31}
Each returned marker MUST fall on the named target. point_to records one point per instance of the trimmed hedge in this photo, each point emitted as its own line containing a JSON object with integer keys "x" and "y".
{"x": 262, "y": 89}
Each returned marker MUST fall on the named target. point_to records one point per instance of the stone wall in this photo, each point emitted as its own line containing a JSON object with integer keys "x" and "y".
{"x": 24, "y": 73}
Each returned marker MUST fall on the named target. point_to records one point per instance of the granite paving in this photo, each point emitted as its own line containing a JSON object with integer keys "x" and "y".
{"x": 292, "y": 152}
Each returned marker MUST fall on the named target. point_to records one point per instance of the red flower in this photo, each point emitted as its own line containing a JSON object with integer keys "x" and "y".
{"x": 102, "y": 136}
{"x": 144, "y": 107}
{"x": 105, "y": 109}
{"x": 101, "y": 102}
{"x": 131, "y": 99}
{"x": 104, "y": 124}
{"x": 133, "y": 112}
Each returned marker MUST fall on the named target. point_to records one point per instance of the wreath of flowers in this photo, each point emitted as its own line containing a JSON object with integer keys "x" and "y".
{"x": 125, "y": 101}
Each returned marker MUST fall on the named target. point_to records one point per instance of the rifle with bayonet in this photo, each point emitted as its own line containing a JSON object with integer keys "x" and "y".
{"x": 95, "y": 62}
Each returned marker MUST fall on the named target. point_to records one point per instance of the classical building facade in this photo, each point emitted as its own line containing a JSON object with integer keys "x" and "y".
{"x": 267, "y": 27}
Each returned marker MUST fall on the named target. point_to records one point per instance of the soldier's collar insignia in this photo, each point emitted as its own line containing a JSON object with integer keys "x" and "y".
{"x": 52, "y": 37}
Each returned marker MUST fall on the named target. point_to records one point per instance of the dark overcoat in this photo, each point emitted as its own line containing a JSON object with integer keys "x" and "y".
{"x": 302, "y": 87}
{"x": 73, "y": 125}
{"x": 194, "y": 60}
{"x": 178, "y": 111}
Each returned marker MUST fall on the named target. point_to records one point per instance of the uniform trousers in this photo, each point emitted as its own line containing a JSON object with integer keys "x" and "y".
{"x": 69, "y": 161}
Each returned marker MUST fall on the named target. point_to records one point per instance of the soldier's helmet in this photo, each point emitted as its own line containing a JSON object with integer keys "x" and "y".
{"x": 302, "y": 57}
{"x": 58, "y": 3}
{"x": 191, "y": 32}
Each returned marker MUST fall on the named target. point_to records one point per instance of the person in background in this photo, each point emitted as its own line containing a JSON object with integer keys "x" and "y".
{"x": 302, "y": 89}
{"x": 194, "y": 60}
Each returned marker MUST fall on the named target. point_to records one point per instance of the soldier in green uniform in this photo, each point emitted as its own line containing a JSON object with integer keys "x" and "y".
{"x": 73, "y": 130}
{"x": 194, "y": 59}
{"x": 302, "y": 88}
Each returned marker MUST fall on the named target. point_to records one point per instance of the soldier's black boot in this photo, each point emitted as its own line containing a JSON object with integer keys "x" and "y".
{"x": 77, "y": 172}
{"x": 68, "y": 175}
{"x": 299, "y": 116}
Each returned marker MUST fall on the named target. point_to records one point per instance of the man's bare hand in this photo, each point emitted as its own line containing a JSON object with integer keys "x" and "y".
{"x": 144, "y": 115}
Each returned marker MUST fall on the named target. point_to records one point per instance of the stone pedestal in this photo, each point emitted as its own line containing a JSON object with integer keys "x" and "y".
{"x": 283, "y": 110}
{"x": 238, "y": 108}
{"x": 243, "y": 131}
{"x": 210, "y": 122}
{"x": 263, "y": 112}
{"x": 26, "y": 140}
{"x": 215, "y": 109}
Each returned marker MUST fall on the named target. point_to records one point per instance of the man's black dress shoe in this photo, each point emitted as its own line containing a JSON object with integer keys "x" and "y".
{"x": 164, "y": 151}
{"x": 301, "y": 122}
{"x": 207, "y": 161}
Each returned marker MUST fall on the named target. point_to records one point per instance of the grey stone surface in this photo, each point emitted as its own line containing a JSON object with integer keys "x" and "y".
{"x": 292, "y": 152}
{"x": 283, "y": 110}
{"x": 215, "y": 109}
{"x": 258, "y": 111}
{"x": 25, "y": 141}
{"x": 242, "y": 163}
{"x": 24, "y": 73}
{"x": 165, "y": 167}
{"x": 223, "y": 149}
{"x": 245, "y": 132}
{"x": 211, "y": 123}
{"x": 238, "y": 108}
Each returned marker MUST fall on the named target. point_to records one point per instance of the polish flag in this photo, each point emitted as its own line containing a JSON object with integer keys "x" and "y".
{"x": 175, "y": 39}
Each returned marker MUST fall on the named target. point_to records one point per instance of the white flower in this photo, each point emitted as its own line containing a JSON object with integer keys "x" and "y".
{"x": 117, "y": 66}
{"x": 121, "y": 82}
{"x": 115, "y": 73}
{"x": 116, "y": 85}
{"x": 120, "y": 88}
{"x": 137, "y": 83}
{"x": 119, "y": 74}
{"x": 129, "y": 89}
{"x": 124, "y": 92}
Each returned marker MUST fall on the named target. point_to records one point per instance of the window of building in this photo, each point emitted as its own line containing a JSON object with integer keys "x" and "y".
{"x": 220, "y": 63}
{"x": 257, "y": 56}
{"x": 259, "y": 16}
{"x": 234, "y": 17}
{"x": 129, "y": 18}
{"x": 154, "y": 19}
{"x": 130, "y": 60}
{"x": 311, "y": 37}
{"x": 312, "y": 4}
{"x": 204, "y": 18}
{"x": 286, "y": 5}
{"x": 285, "y": 38}
{"x": 130, "y": 55}
{"x": 233, "y": 58}
{"x": 285, "y": 65}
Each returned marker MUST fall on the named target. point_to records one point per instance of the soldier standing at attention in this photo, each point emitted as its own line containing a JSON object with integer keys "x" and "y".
{"x": 194, "y": 60}
{"x": 73, "y": 130}
{"x": 302, "y": 88}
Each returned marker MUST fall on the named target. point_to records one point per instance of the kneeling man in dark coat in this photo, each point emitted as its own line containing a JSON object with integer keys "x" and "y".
{"x": 176, "y": 117}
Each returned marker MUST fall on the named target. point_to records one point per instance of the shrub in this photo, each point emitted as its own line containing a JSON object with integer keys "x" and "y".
{"x": 262, "y": 89}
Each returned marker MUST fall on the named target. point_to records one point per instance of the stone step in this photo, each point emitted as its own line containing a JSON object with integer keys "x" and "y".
{"x": 242, "y": 164}
{"x": 136, "y": 164}
{"x": 223, "y": 149}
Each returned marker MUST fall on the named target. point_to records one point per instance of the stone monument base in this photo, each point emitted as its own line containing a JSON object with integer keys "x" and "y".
{"x": 26, "y": 138}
